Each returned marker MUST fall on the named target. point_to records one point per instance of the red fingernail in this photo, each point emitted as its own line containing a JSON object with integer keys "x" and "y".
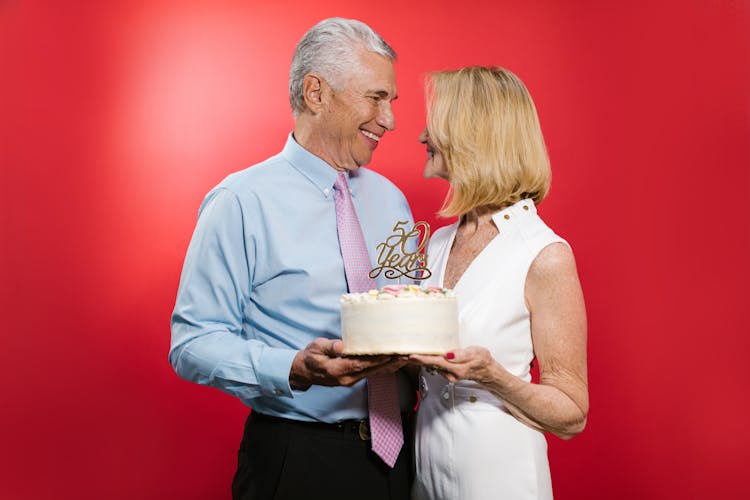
{"x": 449, "y": 355}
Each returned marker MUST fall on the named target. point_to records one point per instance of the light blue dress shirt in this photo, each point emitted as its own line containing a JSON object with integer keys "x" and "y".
{"x": 263, "y": 277}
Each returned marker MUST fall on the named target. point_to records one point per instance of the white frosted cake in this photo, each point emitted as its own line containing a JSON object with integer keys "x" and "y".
{"x": 402, "y": 319}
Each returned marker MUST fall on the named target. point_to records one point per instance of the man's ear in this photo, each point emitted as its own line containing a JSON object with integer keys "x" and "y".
{"x": 312, "y": 91}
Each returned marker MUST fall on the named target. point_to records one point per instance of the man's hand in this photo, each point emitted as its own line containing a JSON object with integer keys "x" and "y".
{"x": 321, "y": 363}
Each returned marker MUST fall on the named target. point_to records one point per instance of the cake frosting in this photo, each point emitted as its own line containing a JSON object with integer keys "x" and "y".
{"x": 400, "y": 319}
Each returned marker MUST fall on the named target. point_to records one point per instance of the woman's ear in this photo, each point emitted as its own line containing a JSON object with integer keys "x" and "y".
{"x": 312, "y": 91}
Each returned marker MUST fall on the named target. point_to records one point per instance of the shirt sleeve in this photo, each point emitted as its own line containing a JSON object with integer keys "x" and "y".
{"x": 208, "y": 344}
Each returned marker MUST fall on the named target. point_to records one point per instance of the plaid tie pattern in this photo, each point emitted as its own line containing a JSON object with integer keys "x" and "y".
{"x": 385, "y": 416}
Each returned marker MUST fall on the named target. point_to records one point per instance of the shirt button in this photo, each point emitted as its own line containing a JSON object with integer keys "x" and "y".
{"x": 473, "y": 399}
{"x": 446, "y": 395}
{"x": 506, "y": 216}
{"x": 277, "y": 392}
{"x": 326, "y": 191}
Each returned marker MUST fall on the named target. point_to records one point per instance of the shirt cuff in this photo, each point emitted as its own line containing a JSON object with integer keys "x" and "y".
{"x": 274, "y": 375}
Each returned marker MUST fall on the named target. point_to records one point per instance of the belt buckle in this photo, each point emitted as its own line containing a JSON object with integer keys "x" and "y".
{"x": 364, "y": 430}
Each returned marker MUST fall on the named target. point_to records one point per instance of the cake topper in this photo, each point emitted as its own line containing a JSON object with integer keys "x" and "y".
{"x": 394, "y": 258}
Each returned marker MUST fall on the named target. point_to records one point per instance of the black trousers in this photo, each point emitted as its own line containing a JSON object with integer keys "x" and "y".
{"x": 288, "y": 460}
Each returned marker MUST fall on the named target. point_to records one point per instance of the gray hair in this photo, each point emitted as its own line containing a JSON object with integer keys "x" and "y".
{"x": 330, "y": 48}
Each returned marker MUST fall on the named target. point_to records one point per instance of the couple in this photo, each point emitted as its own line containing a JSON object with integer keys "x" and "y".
{"x": 257, "y": 311}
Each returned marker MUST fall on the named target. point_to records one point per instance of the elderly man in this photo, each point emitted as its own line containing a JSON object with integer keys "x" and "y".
{"x": 258, "y": 314}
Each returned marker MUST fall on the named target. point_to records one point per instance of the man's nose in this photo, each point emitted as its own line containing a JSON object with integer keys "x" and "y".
{"x": 385, "y": 116}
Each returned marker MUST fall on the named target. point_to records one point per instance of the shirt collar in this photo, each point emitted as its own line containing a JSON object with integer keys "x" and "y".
{"x": 313, "y": 168}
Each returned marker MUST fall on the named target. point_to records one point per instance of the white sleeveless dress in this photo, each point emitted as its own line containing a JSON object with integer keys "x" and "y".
{"x": 468, "y": 446}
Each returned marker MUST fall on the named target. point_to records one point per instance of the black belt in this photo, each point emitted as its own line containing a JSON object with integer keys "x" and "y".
{"x": 361, "y": 428}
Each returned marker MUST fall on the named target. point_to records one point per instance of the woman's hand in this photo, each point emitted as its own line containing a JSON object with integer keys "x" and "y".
{"x": 472, "y": 363}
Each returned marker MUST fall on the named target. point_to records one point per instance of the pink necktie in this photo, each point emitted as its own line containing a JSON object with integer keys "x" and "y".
{"x": 382, "y": 393}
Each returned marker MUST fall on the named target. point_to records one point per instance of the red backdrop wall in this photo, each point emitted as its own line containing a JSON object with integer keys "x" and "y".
{"x": 117, "y": 117}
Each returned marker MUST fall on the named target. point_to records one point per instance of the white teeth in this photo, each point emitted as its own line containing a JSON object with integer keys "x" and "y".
{"x": 371, "y": 135}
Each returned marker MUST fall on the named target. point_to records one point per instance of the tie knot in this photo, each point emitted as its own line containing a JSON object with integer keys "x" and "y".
{"x": 341, "y": 183}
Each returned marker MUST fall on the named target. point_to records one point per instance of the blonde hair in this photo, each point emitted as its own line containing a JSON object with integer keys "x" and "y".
{"x": 484, "y": 123}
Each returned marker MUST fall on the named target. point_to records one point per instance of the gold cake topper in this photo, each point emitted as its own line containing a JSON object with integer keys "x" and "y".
{"x": 394, "y": 258}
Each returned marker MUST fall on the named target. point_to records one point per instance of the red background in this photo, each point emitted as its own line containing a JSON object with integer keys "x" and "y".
{"x": 116, "y": 118}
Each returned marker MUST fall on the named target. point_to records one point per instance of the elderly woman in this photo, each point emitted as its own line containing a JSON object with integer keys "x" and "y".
{"x": 481, "y": 420}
